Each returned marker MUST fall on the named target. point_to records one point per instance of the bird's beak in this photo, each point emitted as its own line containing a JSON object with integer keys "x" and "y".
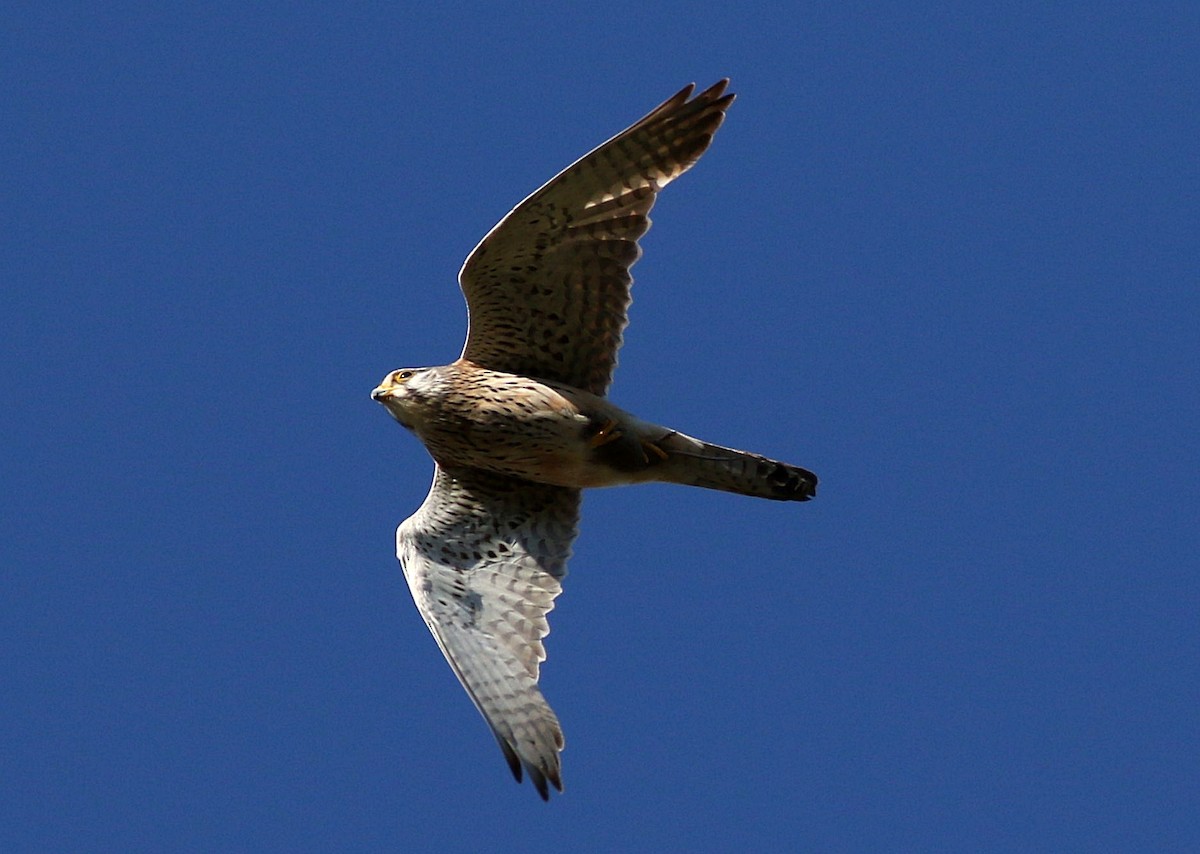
{"x": 382, "y": 391}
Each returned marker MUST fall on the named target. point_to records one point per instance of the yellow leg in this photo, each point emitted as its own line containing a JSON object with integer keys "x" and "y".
{"x": 607, "y": 433}
{"x": 654, "y": 449}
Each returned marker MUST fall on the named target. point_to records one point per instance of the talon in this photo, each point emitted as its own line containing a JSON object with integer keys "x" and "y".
{"x": 654, "y": 449}
{"x": 606, "y": 434}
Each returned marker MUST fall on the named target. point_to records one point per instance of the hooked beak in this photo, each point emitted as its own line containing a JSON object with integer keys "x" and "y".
{"x": 384, "y": 390}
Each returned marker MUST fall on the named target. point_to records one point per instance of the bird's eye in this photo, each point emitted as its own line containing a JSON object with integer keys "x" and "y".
{"x": 404, "y": 375}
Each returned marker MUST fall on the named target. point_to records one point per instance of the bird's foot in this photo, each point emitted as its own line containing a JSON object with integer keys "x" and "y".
{"x": 607, "y": 434}
{"x": 655, "y": 450}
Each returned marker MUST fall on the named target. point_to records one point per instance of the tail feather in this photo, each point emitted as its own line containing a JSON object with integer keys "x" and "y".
{"x": 695, "y": 463}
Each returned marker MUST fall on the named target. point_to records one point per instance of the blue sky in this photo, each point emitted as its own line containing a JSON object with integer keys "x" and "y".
{"x": 945, "y": 255}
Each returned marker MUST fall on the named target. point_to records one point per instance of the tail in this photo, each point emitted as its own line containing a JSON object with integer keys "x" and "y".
{"x": 695, "y": 463}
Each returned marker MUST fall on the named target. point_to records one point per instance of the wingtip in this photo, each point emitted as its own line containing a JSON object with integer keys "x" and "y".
{"x": 714, "y": 93}
{"x": 510, "y": 756}
{"x": 541, "y": 778}
{"x": 539, "y": 783}
{"x": 715, "y": 90}
{"x": 684, "y": 93}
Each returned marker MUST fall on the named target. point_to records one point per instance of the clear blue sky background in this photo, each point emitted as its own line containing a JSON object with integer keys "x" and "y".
{"x": 945, "y": 255}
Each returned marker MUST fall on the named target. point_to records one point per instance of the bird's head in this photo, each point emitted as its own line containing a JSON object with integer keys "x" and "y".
{"x": 404, "y": 392}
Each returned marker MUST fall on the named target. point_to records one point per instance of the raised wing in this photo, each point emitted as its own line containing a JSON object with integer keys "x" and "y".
{"x": 484, "y": 556}
{"x": 548, "y": 288}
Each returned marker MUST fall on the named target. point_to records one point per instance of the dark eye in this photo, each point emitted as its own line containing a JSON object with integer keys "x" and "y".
{"x": 404, "y": 375}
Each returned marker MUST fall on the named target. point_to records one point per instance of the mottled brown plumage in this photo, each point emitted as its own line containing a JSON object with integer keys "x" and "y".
{"x": 548, "y": 288}
{"x": 519, "y": 424}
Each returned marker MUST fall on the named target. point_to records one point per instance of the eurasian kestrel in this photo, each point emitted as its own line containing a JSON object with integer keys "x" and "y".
{"x": 519, "y": 424}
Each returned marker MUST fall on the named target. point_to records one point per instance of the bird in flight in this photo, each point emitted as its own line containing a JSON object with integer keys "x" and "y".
{"x": 520, "y": 424}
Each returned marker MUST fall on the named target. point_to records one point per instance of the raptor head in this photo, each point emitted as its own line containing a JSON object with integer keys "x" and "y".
{"x": 403, "y": 394}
